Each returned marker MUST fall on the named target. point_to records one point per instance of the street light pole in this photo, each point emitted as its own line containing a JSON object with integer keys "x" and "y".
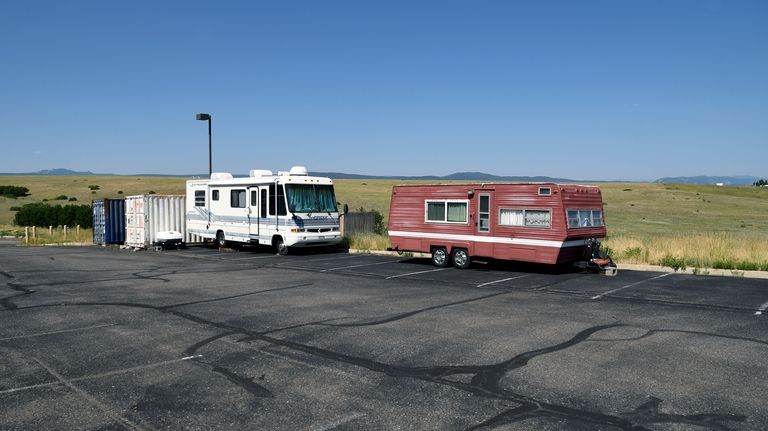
{"x": 207, "y": 117}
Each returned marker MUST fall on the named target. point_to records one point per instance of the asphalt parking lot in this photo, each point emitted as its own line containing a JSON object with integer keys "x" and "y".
{"x": 97, "y": 338}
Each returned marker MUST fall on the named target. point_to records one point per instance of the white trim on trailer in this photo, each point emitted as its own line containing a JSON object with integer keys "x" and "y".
{"x": 492, "y": 239}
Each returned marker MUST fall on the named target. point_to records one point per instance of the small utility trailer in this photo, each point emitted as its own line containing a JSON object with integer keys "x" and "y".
{"x": 532, "y": 222}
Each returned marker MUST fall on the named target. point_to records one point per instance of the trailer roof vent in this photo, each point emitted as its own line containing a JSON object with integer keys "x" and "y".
{"x": 256, "y": 173}
{"x": 221, "y": 176}
{"x": 299, "y": 170}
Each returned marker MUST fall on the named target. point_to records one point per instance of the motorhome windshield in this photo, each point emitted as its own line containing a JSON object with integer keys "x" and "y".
{"x": 308, "y": 198}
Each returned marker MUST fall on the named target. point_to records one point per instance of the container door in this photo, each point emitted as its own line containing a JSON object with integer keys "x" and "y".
{"x": 141, "y": 221}
{"x": 484, "y": 224}
{"x": 253, "y": 212}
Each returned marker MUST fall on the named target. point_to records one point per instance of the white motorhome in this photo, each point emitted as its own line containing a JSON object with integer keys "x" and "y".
{"x": 290, "y": 209}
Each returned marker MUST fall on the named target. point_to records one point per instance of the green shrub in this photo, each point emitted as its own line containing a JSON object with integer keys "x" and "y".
{"x": 14, "y": 208}
{"x": 633, "y": 253}
{"x": 379, "y": 228}
{"x": 676, "y": 263}
{"x": 13, "y": 191}
{"x": 61, "y": 198}
{"x": 151, "y": 192}
{"x": 94, "y": 187}
{"x": 73, "y": 199}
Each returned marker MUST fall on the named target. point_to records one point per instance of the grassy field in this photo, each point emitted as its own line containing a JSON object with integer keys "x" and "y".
{"x": 676, "y": 225}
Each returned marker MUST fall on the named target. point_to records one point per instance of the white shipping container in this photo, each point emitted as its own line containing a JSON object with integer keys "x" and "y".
{"x": 146, "y": 215}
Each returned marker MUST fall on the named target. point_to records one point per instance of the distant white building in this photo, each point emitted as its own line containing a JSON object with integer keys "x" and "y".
{"x": 720, "y": 184}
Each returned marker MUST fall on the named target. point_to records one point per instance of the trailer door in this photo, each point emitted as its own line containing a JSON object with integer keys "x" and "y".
{"x": 484, "y": 224}
{"x": 253, "y": 214}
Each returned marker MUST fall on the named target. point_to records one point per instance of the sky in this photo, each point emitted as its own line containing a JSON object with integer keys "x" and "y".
{"x": 609, "y": 90}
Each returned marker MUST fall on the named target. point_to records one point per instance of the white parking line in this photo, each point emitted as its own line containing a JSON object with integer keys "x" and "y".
{"x": 348, "y": 256}
{"x": 270, "y": 256}
{"x": 630, "y": 285}
{"x": 361, "y": 265}
{"x": 414, "y": 273}
{"x": 97, "y": 376}
{"x": 338, "y": 422}
{"x": 42, "y": 334}
{"x": 762, "y": 309}
{"x": 501, "y": 281}
{"x": 105, "y": 408}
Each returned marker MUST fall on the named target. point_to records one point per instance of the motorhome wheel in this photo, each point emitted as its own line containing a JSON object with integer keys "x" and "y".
{"x": 220, "y": 241}
{"x": 280, "y": 247}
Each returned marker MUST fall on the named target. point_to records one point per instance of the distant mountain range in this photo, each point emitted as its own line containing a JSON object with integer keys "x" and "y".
{"x": 739, "y": 180}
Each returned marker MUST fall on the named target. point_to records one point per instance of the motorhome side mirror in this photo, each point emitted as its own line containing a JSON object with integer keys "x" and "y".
{"x": 346, "y": 209}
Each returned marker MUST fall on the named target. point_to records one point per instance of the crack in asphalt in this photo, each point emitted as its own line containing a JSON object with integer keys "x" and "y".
{"x": 13, "y": 284}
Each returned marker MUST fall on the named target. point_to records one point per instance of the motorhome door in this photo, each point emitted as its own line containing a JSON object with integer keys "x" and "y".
{"x": 253, "y": 213}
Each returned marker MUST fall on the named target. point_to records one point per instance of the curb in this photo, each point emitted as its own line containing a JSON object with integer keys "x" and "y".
{"x": 623, "y": 267}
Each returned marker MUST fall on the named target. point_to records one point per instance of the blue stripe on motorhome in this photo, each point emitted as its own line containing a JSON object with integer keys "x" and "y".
{"x": 202, "y": 215}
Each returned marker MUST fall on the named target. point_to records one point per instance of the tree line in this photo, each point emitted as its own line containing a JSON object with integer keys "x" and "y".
{"x": 40, "y": 214}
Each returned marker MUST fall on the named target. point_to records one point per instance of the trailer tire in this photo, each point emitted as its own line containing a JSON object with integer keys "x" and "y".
{"x": 460, "y": 258}
{"x": 220, "y": 241}
{"x": 280, "y": 247}
{"x": 440, "y": 257}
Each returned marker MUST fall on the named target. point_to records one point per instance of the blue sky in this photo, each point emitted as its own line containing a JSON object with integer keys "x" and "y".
{"x": 577, "y": 89}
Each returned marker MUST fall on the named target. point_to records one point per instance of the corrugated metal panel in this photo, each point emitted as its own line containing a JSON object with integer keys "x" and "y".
{"x": 114, "y": 231}
{"x": 146, "y": 215}
{"x": 108, "y": 221}
{"x": 98, "y": 222}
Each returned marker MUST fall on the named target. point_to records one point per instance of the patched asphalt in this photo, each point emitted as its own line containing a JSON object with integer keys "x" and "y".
{"x": 96, "y": 338}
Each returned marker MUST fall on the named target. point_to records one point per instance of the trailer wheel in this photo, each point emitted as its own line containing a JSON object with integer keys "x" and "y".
{"x": 460, "y": 258}
{"x": 220, "y": 241}
{"x": 280, "y": 247}
{"x": 439, "y": 257}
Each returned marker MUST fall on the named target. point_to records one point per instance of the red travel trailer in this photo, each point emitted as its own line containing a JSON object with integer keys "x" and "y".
{"x": 536, "y": 222}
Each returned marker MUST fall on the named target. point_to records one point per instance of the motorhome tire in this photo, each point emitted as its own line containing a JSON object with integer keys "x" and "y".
{"x": 439, "y": 257}
{"x": 460, "y": 258}
{"x": 280, "y": 247}
{"x": 220, "y": 241}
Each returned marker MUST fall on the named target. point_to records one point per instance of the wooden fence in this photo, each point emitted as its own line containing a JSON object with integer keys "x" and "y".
{"x": 357, "y": 223}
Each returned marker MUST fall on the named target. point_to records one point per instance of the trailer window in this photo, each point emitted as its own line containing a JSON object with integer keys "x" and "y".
{"x": 545, "y": 191}
{"x": 199, "y": 198}
{"x": 237, "y": 198}
{"x": 446, "y": 211}
{"x": 525, "y": 217}
{"x": 585, "y": 218}
{"x": 215, "y": 195}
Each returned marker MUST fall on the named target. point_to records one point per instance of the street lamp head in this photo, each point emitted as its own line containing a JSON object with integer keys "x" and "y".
{"x": 203, "y": 117}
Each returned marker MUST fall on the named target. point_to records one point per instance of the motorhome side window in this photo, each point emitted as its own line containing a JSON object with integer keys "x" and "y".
{"x": 446, "y": 211}
{"x": 281, "y": 210}
{"x": 215, "y": 195}
{"x": 525, "y": 217}
{"x": 199, "y": 198}
{"x": 264, "y": 202}
{"x": 585, "y": 218}
{"x": 237, "y": 198}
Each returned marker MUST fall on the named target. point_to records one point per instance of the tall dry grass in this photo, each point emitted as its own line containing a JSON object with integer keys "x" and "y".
{"x": 718, "y": 250}
{"x": 58, "y": 236}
